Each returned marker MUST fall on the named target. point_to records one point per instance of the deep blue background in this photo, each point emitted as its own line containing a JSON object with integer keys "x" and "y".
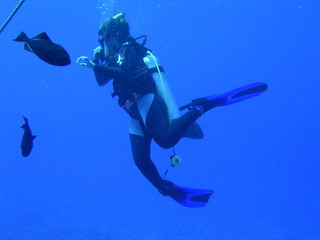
{"x": 261, "y": 156}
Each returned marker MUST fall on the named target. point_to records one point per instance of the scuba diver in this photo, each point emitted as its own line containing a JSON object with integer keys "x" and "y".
{"x": 139, "y": 83}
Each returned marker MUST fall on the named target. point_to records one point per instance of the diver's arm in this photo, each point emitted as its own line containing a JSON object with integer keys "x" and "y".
{"x": 104, "y": 73}
{"x": 111, "y": 72}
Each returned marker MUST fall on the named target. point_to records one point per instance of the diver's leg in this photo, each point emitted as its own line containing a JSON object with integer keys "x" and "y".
{"x": 154, "y": 114}
{"x": 140, "y": 147}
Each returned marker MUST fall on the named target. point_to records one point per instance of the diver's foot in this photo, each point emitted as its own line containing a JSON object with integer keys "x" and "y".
{"x": 207, "y": 103}
{"x": 167, "y": 187}
{"x": 170, "y": 189}
{"x": 204, "y": 104}
{"x": 239, "y": 94}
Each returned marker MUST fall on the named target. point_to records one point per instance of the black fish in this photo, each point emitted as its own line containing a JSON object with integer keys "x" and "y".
{"x": 27, "y": 139}
{"x": 45, "y": 49}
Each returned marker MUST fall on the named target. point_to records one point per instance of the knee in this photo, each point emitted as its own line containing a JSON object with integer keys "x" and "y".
{"x": 165, "y": 143}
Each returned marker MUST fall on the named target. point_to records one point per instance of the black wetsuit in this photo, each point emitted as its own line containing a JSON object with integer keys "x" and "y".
{"x": 132, "y": 76}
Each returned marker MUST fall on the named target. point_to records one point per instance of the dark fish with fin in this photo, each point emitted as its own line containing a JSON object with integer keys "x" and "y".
{"x": 27, "y": 139}
{"x": 45, "y": 49}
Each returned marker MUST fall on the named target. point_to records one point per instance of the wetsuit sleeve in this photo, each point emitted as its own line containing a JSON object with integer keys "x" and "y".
{"x": 105, "y": 73}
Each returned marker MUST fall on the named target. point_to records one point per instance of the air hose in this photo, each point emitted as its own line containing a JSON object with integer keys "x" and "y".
{"x": 174, "y": 159}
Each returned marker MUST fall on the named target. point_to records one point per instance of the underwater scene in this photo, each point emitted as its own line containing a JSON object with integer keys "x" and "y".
{"x": 94, "y": 145}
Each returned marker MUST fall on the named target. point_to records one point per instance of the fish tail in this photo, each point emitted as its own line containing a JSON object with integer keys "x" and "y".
{"x": 25, "y": 119}
{"x": 21, "y": 38}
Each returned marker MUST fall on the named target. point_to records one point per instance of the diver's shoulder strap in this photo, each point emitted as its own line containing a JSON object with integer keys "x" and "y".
{"x": 144, "y": 40}
{"x": 155, "y": 69}
{"x": 140, "y": 48}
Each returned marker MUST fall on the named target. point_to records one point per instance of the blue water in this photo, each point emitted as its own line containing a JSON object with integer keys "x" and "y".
{"x": 261, "y": 156}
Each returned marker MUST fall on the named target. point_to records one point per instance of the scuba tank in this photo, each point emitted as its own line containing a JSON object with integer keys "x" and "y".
{"x": 162, "y": 86}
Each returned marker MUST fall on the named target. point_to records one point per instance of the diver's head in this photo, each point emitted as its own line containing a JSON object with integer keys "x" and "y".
{"x": 113, "y": 33}
{"x": 115, "y": 27}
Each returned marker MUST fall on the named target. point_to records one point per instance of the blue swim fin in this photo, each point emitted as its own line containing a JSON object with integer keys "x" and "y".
{"x": 189, "y": 197}
{"x": 233, "y": 96}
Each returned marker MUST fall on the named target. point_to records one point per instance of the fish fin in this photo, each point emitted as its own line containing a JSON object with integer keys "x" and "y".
{"x": 23, "y": 126}
{"x": 25, "y": 119}
{"x": 21, "y": 38}
{"x": 33, "y": 137}
{"x": 27, "y": 47}
{"x": 42, "y": 36}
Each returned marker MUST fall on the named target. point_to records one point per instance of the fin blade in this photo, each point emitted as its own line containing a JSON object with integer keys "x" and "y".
{"x": 241, "y": 93}
{"x": 233, "y": 96}
{"x": 191, "y": 197}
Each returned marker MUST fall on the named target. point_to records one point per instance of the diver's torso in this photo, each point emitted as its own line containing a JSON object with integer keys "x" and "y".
{"x": 135, "y": 77}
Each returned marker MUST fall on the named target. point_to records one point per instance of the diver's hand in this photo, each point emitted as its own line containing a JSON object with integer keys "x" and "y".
{"x": 85, "y": 61}
{"x": 98, "y": 54}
